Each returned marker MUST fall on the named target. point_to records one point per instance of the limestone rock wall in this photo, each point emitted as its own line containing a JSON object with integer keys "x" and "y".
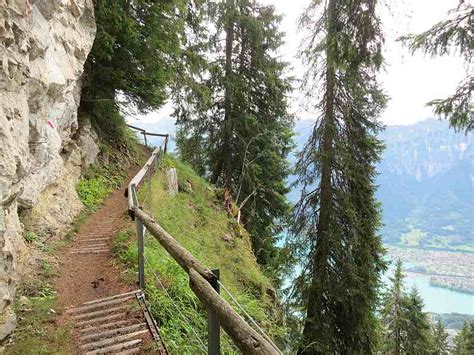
{"x": 43, "y": 47}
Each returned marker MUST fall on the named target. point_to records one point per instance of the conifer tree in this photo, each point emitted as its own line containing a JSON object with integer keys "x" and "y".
{"x": 234, "y": 125}
{"x": 440, "y": 339}
{"x": 337, "y": 216}
{"x": 455, "y": 34}
{"x": 418, "y": 332}
{"x": 464, "y": 340}
{"x": 133, "y": 55}
{"x": 394, "y": 315}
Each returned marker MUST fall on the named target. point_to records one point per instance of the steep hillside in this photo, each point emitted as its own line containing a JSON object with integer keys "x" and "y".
{"x": 196, "y": 219}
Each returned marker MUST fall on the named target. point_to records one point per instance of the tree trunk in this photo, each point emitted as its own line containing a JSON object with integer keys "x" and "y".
{"x": 228, "y": 129}
{"x": 320, "y": 255}
{"x": 228, "y": 96}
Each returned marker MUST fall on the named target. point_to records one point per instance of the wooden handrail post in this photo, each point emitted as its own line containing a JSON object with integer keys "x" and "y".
{"x": 213, "y": 324}
{"x": 166, "y": 144}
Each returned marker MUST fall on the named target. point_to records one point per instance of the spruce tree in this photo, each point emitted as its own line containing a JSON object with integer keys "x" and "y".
{"x": 337, "y": 216}
{"x": 464, "y": 340}
{"x": 455, "y": 34}
{"x": 234, "y": 127}
{"x": 394, "y": 314}
{"x": 440, "y": 339}
{"x": 131, "y": 62}
{"x": 418, "y": 332}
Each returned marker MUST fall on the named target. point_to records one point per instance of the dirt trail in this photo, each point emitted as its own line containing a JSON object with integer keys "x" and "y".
{"x": 88, "y": 276}
{"x": 89, "y": 279}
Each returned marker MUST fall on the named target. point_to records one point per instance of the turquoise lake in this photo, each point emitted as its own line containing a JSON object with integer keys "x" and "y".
{"x": 436, "y": 299}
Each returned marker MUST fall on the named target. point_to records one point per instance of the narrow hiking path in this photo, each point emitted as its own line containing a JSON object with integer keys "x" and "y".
{"x": 104, "y": 311}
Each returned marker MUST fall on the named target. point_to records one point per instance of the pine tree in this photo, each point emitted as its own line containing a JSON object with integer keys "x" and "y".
{"x": 440, "y": 339}
{"x": 133, "y": 55}
{"x": 418, "y": 332}
{"x": 454, "y": 34}
{"x": 337, "y": 216}
{"x": 235, "y": 127}
{"x": 464, "y": 340}
{"x": 394, "y": 315}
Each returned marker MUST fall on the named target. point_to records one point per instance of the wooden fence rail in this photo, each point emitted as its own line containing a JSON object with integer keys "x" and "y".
{"x": 201, "y": 279}
{"x": 145, "y": 133}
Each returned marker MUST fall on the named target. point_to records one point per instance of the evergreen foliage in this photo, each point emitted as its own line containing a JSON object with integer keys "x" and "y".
{"x": 337, "y": 216}
{"x": 455, "y": 33}
{"x": 406, "y": 327}
{"x": 132, "y": 59}
{"x": 464, "y": 340}
{"x": 234, "y": 125}
{"x": 395, "y": 322}
{"x": 419, "y": 329}
{"x": 440, "y": 339}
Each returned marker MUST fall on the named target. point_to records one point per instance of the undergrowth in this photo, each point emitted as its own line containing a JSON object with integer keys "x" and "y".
{"x": 97, "y": 183}
{"x": 194, "y": 217}
{"x": 38, "y": 331}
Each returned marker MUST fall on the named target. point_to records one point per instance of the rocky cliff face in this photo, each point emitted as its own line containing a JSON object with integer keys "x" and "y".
{"x": 43, "y": 47}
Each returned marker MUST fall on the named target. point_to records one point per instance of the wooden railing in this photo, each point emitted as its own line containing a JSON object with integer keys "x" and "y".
{"x": 202, "y": 280}
{"x": 145, "y": 134}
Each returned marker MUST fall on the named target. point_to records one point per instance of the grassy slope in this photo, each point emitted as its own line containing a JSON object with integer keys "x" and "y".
{"x": 195, "y": 218}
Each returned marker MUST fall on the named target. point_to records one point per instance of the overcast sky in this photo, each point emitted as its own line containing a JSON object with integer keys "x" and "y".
{"x": 410, "y": 81}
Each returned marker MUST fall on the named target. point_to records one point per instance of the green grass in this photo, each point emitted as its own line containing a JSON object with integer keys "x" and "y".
{"x": 98, "y": 182}
{"x": 38, "y": 331}
{"x": 413, "y": 237}
{"x": 197, "y": 221}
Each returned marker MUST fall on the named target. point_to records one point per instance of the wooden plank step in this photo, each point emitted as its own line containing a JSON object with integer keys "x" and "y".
{"x": 99, "y": 300}
{"x": 81, "y": 240}
{"x": 93, "y": 306}
{"x": 101, "y": 312}
{"x": 104, "y": 326}
{"x": 97, "y": 345}
{"x": 89, "y": 251}
{"x": 112, "y": 332}
{"x": 102, "y": 319}
{"x": 114, "y": 348}
{"x": 129, "y": 351}
{"x": 94, "y": 245}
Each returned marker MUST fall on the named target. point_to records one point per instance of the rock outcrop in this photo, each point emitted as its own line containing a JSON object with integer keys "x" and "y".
{"x": 43, "y": 47}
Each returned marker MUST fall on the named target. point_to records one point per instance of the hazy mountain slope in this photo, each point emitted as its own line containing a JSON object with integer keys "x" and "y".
{"x": 425, "y": 184}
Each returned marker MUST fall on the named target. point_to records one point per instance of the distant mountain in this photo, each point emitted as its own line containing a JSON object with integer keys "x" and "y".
{"x": 425, "y": 185}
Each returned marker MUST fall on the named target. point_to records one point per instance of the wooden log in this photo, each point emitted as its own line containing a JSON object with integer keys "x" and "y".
{"x": 183, "y": 257}
{"x": 243, "y": 335}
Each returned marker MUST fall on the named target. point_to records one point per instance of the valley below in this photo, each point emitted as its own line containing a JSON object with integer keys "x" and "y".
{"x": 444, "y": 279}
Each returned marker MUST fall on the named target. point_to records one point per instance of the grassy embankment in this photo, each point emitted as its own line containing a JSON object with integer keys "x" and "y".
{"x": 194, "y": 217}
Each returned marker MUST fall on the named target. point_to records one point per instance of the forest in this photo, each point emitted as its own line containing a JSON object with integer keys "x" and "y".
{"x": 217, "y": 62}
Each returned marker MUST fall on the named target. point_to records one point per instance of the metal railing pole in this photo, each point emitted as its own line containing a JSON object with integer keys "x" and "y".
{"x": 213, "y": 325}
{"x": 140, "y": 245}
{"x": 144, "y": 138}
{"x": 141, "y": 249}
